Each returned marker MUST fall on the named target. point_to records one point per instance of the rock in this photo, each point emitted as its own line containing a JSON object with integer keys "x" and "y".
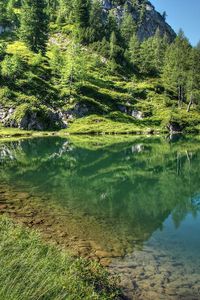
{"x": 151, "y": 21}
{"x": 79, "y": 110}
{"x": 174, "y": 127}
{"x": 123, "y": 108}
{"x": 32, "y": 118}
{"x": 137, "y": 114}
{"x": 34, "y": 121}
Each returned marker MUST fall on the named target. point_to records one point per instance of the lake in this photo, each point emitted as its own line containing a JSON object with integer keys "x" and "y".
{"x": 132, "y": 203}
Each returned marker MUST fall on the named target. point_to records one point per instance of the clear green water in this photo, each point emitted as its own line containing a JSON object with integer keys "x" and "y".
{"x": 145, "y": 194}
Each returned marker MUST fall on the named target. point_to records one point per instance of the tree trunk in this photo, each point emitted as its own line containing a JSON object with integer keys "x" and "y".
{"x": 180, "y": 96}
{"x": 190, "y": 103}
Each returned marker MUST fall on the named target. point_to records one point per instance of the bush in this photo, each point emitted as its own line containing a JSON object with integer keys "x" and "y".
{"x": 12, "y": 67}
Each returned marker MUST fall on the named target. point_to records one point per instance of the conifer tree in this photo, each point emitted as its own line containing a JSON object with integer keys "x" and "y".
{"x": 82, "y": 16}
{"x": 97, "y": 30}
{"x": 147, "y": 55}
{"x": 159, "y": 45}
{"x": 34, "y": 24}
{"x": 176, "y": 67}
{"x": 193, "y": 79}
{"x": 3, "y": 13}
{"x": 65, "y": 11}
{"x": 127, "y": 27}
{"x": 134, "y": 50}
{"x": 113, "y": 51}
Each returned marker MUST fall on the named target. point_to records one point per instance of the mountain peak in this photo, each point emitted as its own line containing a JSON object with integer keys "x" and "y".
{"x": 144, "y": 14}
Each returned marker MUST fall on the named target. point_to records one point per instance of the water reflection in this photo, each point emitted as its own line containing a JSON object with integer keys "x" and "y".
{"x": 135, "y": 186}
{"x": 139, "y": 200}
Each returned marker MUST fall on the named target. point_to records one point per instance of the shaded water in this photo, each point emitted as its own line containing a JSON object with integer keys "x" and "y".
{"x": 135, "y": 202}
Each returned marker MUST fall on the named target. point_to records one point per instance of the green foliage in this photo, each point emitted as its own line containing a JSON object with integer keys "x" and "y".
{"x": 43, "y": 272}
{"x": 12, "y": 67}
{"x": 176, "y": 67}
{"x": 95, "y": 59}
{"x": 2, "y": 50}
{"x": 82, "y": 16}
{"x": 133, "y": 51}
{"x": 128, "y": 27}
{"x": 34, "y": 24}
{"x": 96, "y": 26}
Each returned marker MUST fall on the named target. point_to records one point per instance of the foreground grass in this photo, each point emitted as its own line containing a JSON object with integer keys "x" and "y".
{"x": 31, "y": 269}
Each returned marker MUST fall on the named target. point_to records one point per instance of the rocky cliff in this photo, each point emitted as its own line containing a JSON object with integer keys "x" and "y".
{"x": 147, "y": 19}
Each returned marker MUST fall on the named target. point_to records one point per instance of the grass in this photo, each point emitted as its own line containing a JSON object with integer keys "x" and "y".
{"x": 95, "y": 124}
{"x": 31, "y": 269}
{"x": 6, "y": 133}
{"x": 13, "y": 132}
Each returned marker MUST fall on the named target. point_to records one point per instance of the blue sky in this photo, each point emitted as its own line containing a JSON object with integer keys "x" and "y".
{"x": 183, "y": 14}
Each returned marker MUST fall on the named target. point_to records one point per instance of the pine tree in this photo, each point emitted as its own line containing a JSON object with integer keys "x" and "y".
{"x": 111, "y": 25}
{"x": 74, "y": 68}
{"x": 176, "y": 67}
{"x": 64, "y": 11}
{"x": 127, "y": 27}
{"x": 147, "y": 56}
{"x": 97, "y": 28}
{"x": 113, "y": 51}
{"x": 193, "y": 79}
{"x": 3, "y": 13}
{"x": 134, "y": 51}
{"x": 159, "y": 45}
{"x": 34, "y": 24}
{"x": 82, "y": 16}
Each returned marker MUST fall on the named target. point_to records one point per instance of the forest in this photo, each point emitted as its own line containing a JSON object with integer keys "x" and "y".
{"x": 78, "y": 64}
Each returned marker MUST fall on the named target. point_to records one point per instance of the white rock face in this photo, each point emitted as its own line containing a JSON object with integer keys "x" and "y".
{"x": 152, "y": 19}
{"x": 137, "y": 114}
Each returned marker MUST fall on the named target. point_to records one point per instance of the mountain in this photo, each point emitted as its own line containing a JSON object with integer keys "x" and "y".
{"x": 96, "y": 66}
{"x": 151, "y": 21}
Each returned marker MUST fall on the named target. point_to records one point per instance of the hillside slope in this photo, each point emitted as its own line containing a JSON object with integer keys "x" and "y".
{"x": 106, "y": 77}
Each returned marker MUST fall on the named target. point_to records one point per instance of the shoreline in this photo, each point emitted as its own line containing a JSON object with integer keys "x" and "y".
{"x": 8, "y": 133}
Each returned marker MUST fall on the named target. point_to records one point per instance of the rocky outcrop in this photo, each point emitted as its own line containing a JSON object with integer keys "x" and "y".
{"x": 175, "y": 127}
{"x": 79, "y": 110}
{"x": 147, "y": 21}
{"x": 32, "y": 119}
{"x": 127, "y": 109}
